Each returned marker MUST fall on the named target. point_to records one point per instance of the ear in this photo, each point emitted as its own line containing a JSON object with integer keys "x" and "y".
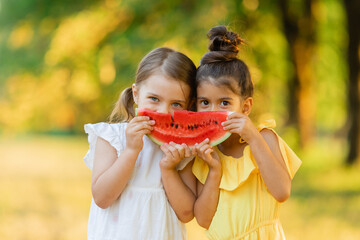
{"x": 135, "y": 93}
{"x": 247, "y": 106}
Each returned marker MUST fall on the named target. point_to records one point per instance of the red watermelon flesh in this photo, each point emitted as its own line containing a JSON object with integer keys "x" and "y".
{"x": 187, "y": 127}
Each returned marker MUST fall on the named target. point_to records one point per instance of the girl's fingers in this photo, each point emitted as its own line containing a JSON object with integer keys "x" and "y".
{"x": 193, "y": 150}
{"x": 208, "y": 152}
{"x": 208, "y": 158}
{"x": 143, "y": 132}
{"x": 200, "y": 150}
{"x": 187, "y": 150}
{"x": 166, "y": 150}
{"x": 236, "y": 115}
{"x": 140, "y": 119}
{"x": 198, "y": 146}
{"x": 180, "y": 149}
{"x": 232, "y": 126}
{"x": 141, "y": 126}
{"x": 205, "y": 147}
{"x": 234, "y": 120}
{"x": 173, "y": 151}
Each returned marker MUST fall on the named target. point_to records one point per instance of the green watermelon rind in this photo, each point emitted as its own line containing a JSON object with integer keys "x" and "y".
{"x": 155, "y": 140}
{"x": 213, "y": 143}
{"x": 220, "y": 140}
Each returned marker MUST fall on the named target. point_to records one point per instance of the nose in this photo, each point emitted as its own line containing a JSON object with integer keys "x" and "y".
{"x": 163, "y": 108}
{"x": 214, "y": 107}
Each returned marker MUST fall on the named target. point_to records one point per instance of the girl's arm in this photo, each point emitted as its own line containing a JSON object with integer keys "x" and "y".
{"x": 265, "y": 148}
{"x": 266, "y": 151}
{"x": 208, "y": 194}
{"x": 180, "y": 187}
{"x": 111, "y": 173}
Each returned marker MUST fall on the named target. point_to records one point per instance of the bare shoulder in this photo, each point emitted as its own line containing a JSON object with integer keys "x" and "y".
{"x": 105, "y": 155}
{"x": 268, "y": 135}
{"x": 103, "y": 145}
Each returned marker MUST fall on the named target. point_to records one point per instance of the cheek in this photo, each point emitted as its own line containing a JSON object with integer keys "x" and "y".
{"x": 143, "y": 102}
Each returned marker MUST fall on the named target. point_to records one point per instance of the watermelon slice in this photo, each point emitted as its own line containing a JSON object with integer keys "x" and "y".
{"x": 187, "y": 127}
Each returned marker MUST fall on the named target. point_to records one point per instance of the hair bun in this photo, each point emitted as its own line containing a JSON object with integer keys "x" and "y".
{"x": 218, "y": 56}
{"x": 223, "y": 40}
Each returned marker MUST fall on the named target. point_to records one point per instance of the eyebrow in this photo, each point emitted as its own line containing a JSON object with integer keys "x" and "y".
{"x": 223, "y": 98}
{"x": 173, "y": 100}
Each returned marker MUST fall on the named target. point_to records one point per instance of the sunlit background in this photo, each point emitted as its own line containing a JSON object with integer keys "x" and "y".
{"x": 63, "y": 63}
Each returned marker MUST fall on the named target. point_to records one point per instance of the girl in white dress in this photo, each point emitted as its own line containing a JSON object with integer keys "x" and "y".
{"x": 138, "y": 191}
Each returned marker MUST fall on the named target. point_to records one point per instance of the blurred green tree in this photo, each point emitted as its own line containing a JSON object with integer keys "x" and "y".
{"x": 63, "y": 63}
{"x": 299, "y": 29}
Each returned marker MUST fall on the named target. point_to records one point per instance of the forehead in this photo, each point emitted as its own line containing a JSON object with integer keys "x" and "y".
{"x": 222, "y": 82}
{"x": 215, "y": 93}
{"x": 222, "y": 86}
{"x": 163, "y": 85}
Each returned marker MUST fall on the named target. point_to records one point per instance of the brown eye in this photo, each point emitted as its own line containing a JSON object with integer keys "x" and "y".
{"x": 225, "y": 103}
{"x": 204, "y": 102}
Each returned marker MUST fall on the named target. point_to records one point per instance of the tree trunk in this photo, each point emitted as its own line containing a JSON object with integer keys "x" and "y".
{"x": 353, "y": 18}
{"x": 299, "y": 32}
{"x": 291, "y": 32}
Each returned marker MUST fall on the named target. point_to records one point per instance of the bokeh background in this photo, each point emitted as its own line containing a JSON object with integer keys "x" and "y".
{"x": 64, "y": 63}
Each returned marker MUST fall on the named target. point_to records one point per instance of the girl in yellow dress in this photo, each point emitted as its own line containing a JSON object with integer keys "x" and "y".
{"x": 242, "y": 181}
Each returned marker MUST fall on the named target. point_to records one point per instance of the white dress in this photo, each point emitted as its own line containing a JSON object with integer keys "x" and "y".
{"x": 142, "y": 211}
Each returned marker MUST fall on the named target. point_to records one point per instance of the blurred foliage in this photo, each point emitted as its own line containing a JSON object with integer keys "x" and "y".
{"x": 64, "y": 63}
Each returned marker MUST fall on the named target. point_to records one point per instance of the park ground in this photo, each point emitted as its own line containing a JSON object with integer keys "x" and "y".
{"x": 45, "y": 192}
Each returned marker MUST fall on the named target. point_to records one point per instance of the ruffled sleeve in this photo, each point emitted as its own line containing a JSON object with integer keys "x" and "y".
{"x": 292, "y": 161}
{"x": 235, "y": 170}
{"x": 113, "y": 133}
{"x": 200, "y": 169}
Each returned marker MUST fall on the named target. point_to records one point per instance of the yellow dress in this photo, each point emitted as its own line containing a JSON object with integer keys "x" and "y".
{"x": 246, "y": 210}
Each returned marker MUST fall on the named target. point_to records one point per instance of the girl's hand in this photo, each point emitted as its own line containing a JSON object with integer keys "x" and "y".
{"x": 136, "y": 129}
{"x": 241, "y": 124}
{"x": 207, "y": 153}
{"x": 174, "y": 153}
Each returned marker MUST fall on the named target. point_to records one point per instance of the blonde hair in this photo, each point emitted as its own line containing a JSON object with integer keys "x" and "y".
{"x": 168, "y": 61}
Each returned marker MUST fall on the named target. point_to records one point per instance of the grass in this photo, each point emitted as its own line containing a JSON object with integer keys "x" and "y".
{"x": 45, "y": 192}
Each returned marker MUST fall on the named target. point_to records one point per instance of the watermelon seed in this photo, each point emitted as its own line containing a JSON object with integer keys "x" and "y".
{"x": 192, "y": 128}
{"x": 195, "y": 126}
{"x": 216, "y": 122}
{"x": 176, "y": 126}
{"x": 172, "y": 124}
